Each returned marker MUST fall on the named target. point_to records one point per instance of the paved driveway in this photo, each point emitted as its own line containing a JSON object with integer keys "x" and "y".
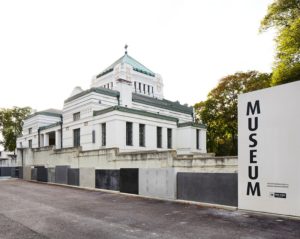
{"x": 32, "y": 210}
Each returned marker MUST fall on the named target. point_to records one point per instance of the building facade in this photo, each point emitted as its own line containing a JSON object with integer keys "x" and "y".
{"x": 124, "y": 108}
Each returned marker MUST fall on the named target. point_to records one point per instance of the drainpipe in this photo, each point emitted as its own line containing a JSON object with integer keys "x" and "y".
{"x": 22, "y": 157}
{"x": 118, "y": 98}
{"x": 61, "y": 131}
{"x": 39, "y": 137}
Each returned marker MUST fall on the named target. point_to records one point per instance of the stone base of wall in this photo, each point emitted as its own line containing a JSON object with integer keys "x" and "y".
{"x": 87, "y": 177}
{"x": 27, "y": 172}
{"x": 20, "y": 169}
{"x": 13, "y": 172}
{"x": 200, "y": 177}
{"x": 42, "y": 174}
{"x": 108, "y": 179}
{"x": 61, "y": 174}
{"x": 51, "y": 175}
{"x": 5, "y": 172}
{"x": 33, "y": 173}
{"x": 73, "y": 176}
{"x": 215, "y": 188}
{"x": 111, "y": 158}
{"x": 129, "y": 180}
{"x": 164, "y": 183}
{"x": 160, "y": 183}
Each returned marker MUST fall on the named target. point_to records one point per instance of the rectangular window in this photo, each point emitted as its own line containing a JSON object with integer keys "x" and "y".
{"x": 140, "y": 87}
{"x": 135, "y": 85}
{"x": 30, "y": 131}
{"x": 30, "y": 144}
{"x": 103, "y": 127}
{"x": 76, "y": 116}
{"x": 51, "y": 137}
{"x": 197, "y": 139}
{"x": 76, "y": 137}
{"x": 169, "y": 138}
{"x": 152, "y": 89}
{"x": 142, "y": 135}
{"x": 148, "y": 89}
{"x": 111, "y": 85}
{"x": 144, "y": 88}
{"x": 129, "y": 133}
{"x": 93, "y": 136}
{"x": 158, "y": 137}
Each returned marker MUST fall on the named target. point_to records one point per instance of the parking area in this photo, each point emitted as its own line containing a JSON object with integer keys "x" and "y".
{"x": 34, "y": 210}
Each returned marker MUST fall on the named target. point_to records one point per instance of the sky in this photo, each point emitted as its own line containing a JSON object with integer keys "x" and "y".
{"x": 49, "y": 47}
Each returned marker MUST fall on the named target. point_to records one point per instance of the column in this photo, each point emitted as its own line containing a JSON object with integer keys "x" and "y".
{"x": 42, "y": 140}
{"x": 46, "y": 140}
{"x": 57, "y": 139}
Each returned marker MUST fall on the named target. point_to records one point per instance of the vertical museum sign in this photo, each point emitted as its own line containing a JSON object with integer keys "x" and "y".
{"x": 269, "y": 150}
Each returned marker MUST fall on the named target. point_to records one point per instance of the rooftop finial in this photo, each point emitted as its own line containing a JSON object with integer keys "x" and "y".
{"x": 126, "y": 46}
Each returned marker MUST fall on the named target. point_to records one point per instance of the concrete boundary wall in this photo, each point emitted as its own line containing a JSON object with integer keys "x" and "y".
{"x": 73, "y": 176}
{"x": 215, "y": 188}
{"x": 87, "y": 177}
{"x": 108, "y": 179}
{"x": 42, "y": 174}
{"x": 129, "y": 163}
{"x": 5, "y": 171}
{"x": 27, "y": 173}
{"x": 14, "y": 172}
{"x": 33, "y": 173}
{"x": 51, "y": 175}
{"x": 61, "y": 174}
{"x": 159, "y": 183}
{"x": 20, "y": 172}
{"x": 164, "y": 183}
{"x": 129, "y": 180}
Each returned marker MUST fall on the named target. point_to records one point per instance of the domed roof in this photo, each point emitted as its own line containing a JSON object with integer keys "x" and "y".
{"x": 76, "y": 91}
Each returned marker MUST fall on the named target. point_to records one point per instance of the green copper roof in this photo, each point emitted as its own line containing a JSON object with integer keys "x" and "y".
{"x": 164, "y": 104}
{"x": 50, "y": 126}
{"x": 134, "y": 111}
{"x": 99, "y": 90}
{"x": 137, "y": 66}
{"x": 192, "y": 124}
{"x": 49, "y": 112}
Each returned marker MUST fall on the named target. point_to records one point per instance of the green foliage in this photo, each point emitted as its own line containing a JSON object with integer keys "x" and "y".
{"x": 219, "y": 111}
{"x": 11, "y": 125}
{"x": 284, "y": 16}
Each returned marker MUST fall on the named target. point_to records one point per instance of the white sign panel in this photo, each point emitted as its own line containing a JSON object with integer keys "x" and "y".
{"x": 269, "y": 150}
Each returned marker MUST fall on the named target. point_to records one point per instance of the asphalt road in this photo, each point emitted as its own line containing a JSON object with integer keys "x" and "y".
{"x": 32, "y": 210}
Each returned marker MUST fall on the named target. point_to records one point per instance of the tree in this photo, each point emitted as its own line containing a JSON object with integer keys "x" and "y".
{"x": 219, "y": 111}
{"x": 284, "y": 16}
{"x": 11, "y": 121}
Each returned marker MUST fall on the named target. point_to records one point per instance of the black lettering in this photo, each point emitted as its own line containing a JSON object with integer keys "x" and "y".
{"x": 250, "y": 172}
{"x": 253, "y": 140}
{"x": 250, "y": 126}
{"x": 253, "y": 190}
{"x": 252, "y": 155}
{"x": 253, "y": 109}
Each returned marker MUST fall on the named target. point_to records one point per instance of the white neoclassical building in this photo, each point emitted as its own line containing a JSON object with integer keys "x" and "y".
{"x": 124, "y": 108}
